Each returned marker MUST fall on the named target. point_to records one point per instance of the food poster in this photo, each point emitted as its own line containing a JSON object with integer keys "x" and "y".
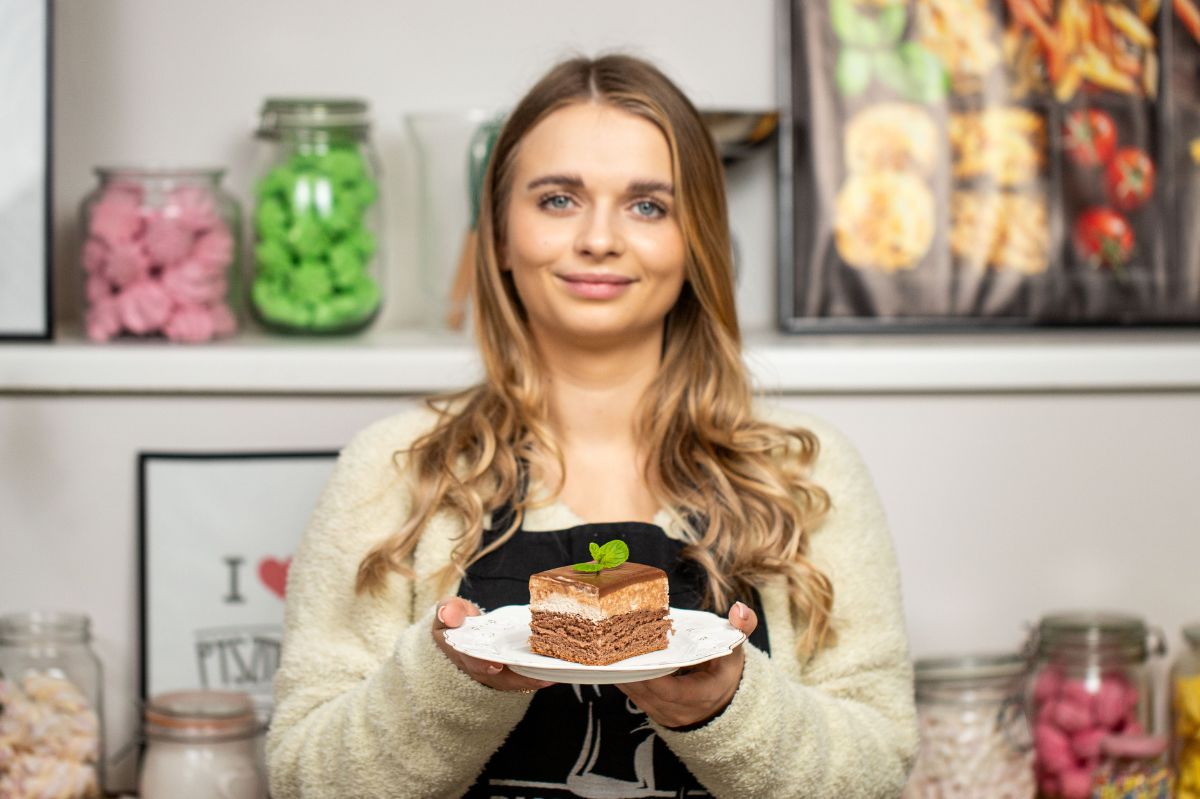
{"x": 218, "y": 531}
{"x": 1183, "y": 86}
{"x": 976, "y": 161}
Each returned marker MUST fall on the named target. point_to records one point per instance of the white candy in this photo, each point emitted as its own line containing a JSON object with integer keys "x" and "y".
{"x": 49, "y": 740}
{"x": 965, "y": 754}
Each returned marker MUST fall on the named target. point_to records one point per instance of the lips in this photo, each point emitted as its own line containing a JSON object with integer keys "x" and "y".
{"x": 595, "y": 277}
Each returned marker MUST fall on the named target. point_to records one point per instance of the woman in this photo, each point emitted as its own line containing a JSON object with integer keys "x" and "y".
{"x": 614, "y": 405}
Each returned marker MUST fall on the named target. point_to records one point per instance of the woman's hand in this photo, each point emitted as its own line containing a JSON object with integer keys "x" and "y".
{"x": 451, "y": 613}
{"x": 696, "y": 694}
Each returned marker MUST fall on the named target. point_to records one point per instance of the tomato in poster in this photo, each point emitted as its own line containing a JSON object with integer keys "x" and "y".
{"x": 1103, "y": 238}
{"x": 1090, "y": 136}
{"x": 1130, "y": 178}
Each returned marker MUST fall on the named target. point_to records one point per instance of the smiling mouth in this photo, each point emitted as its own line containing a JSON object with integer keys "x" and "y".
{"x": 598, "y": 278}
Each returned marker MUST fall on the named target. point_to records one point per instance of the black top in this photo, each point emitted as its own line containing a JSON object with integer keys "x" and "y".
{"x": 583, "y": 740}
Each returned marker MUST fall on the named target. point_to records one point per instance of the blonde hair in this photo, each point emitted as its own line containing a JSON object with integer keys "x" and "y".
{"x": 740, "y": 487}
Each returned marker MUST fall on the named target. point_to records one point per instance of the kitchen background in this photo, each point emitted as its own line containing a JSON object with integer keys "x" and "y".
{"x": 1022, "y": 473}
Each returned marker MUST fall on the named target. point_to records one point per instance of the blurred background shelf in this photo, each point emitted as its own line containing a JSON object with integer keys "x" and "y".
{"x": 398, "y": 362}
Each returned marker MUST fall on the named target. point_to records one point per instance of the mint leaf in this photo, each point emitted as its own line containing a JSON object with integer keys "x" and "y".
{"x": 594, "y": 548}
{"x": 613, "y": 554}
{"x": 587, "y": 567}
{"x": 853, "y": 71}
{"x": 852, "y": 26}
{"x": 892, "y": 21}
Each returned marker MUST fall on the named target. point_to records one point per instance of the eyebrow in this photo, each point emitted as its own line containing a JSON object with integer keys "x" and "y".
{"x": 576, "y": 182}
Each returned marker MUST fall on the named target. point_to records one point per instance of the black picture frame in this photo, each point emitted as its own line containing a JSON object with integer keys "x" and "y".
{"x": 257, "y": 623}
{"x": 41, "y": 328}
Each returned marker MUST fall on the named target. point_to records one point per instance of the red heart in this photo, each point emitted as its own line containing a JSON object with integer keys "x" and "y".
{"x": 273, "y": 574}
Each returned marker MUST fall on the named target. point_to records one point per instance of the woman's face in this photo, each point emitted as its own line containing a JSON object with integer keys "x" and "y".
{"x": 592, "y": 236}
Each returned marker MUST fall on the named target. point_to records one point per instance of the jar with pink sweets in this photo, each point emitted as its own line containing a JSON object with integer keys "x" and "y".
{"x": 159, "y": 255}
{"x": 51, "y": 708}
{"x": 1090, "y": 691}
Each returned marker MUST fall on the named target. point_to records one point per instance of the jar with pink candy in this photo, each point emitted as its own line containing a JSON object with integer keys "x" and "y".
{"x": 159, "y": 255}
{"x": 1090, "y": 692}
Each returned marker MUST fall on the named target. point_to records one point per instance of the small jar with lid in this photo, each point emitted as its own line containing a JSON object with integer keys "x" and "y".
{"x": 974, "y": 735}
{"x": 51, "y": 707}
{"x": 1185, "y": 715}
{"x": 159, "y": 255}
{"x": 1090, "y": 687}
{"x": 317, "y": 218}
{"x": 202, "y": 745}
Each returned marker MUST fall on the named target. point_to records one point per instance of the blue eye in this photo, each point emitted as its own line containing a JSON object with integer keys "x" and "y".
{"x": 649, "y": 209}
{"x": 556, "y": 202}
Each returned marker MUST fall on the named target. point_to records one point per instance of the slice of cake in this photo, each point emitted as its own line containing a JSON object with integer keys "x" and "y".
{"x": 598, "y": 617}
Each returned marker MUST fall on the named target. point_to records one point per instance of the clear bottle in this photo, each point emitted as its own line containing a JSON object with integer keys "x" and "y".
{"x": 317, "y": 218}
{"x": 1185, "y": 715}
{"x": 160, "y": 255}
{"x": 1091, "y": 685}
{"x": 51, "y": 694}
{"x": 974, "y": 735}
{"x": 202, "y": 745}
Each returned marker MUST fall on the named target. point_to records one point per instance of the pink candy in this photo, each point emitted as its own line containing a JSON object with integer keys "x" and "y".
{"x": 1074, "y": 724}
{"x": 157, "y": 271}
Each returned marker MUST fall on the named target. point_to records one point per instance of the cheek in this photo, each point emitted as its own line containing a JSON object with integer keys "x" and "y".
{"x": 530, "y": 242}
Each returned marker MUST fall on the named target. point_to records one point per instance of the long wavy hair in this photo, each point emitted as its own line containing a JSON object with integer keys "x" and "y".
{"x": 739, "y": 488}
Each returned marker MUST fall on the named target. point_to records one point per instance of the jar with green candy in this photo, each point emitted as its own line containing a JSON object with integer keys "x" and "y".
{"x": 317, "y": 218}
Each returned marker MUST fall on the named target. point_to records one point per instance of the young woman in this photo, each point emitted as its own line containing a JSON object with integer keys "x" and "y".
{"x": 614, "y": 405}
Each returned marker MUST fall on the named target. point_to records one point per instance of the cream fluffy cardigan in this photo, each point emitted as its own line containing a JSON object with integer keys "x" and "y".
{"x": 368, "y": 706}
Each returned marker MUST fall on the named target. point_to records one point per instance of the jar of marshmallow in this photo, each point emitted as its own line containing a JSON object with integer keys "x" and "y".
{"x": 159, "y": 255}
{"x": 317, "y": 218}
{"x": 1090, "y": 695}
{"x": 51, "y": 731}
{"x": 974, "y": 735}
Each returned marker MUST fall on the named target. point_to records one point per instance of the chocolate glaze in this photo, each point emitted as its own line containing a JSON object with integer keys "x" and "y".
{"x": 606, "y": 581}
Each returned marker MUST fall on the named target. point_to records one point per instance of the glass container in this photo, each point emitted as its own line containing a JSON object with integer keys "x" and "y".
{"x": 1090, "y": 685}
{"x": 159, "y": 255}
{"x": 51, "y": 707}
{"x": 317, "y": 218}
{"x": 202, "y": 745}
{"x": 974, "y": 734}
{"x": 1185, "y": 715}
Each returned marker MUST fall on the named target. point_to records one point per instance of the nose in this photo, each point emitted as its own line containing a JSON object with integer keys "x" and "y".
{"x": 599, "y": 234}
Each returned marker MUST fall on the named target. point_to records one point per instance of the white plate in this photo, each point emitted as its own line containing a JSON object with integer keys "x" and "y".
{"x": 502, "y": 636}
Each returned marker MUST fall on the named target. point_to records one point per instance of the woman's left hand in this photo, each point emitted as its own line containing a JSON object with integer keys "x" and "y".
{"x": 696, "y": 694}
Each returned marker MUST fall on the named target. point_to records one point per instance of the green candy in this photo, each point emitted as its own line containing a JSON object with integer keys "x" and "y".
{"x": 308, "y": 237}
{"x": 342, "y": 165}
{"x": 366, "y": 293}
{"x": 273, "y": 259}
{"x": 310, "y": 282}
{"x": 365, "y": 193}
{"x": 271, "y": 219}
{"x": 363, "y": 241}
{"x": 344, "y": 217}
{"x": 345, "y": 264}
{"x": 277, "y": 183}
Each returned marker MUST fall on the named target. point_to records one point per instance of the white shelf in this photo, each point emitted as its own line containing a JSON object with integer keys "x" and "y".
{"x": 413, "y": 362}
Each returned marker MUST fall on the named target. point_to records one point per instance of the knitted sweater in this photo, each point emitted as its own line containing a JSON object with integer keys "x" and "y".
{"x": 368, "y": 706}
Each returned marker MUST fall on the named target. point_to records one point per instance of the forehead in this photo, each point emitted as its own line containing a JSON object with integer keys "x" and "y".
{"x": 596, "y": 142}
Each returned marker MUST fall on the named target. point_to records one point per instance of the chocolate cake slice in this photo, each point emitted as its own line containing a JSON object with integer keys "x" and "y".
{"x": 599, "y": 617}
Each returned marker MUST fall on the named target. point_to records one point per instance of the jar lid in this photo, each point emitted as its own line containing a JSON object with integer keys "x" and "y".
{"x": 316, "y": 113}
{"x": 969, "y": 668}
{"x": 1113, "y": 633}
{"x": 201, "y": 716}
{"x": 45, "y": 625}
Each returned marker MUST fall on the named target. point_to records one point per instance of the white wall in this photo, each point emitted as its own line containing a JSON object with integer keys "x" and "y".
{"x": 161, "y": 82}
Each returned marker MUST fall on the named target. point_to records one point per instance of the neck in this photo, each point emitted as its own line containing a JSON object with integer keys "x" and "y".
{"x": 595, "y": 391}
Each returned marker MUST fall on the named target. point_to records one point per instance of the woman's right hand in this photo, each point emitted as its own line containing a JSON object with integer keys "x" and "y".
{"x": 451, "y": 613}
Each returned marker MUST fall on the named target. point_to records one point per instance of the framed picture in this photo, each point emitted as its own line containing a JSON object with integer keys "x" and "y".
{"x": 217, "y": 532}
{"x": 25, "y": 59}
{"x": 937, "y": 171}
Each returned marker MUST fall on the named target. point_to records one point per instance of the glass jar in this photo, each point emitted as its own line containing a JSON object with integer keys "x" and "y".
{"x": 202, "y": 745}
{"x": 51, "y": 707}
{"x": 1133, "y": 767}
{"x": 159, "y": 255}
{"x": 1091, "y": 682}
{"x": 1185, "y": 715}
{"x": 317, "y": 218}
{"x": 452, "y": 152}
{"x": 974, "y": 735}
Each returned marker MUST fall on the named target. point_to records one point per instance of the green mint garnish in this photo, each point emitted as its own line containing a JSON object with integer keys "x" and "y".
{"x": 609, "y": 556}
